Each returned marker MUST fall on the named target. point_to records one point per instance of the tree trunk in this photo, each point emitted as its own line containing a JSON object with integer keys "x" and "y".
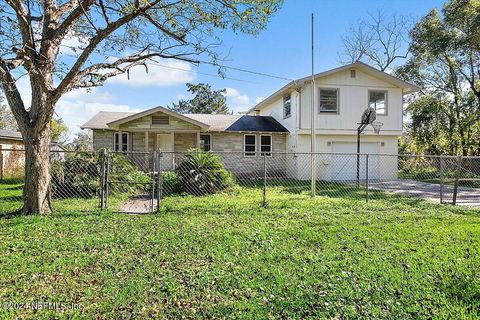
{"x": 36, "y": 192}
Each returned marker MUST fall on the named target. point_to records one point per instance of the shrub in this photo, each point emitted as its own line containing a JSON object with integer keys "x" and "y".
{"x": 202, "y": 173}
{"x": 128, "y": 177}
{"x": 171, "y": 183}
{"x": 76, "y": 177}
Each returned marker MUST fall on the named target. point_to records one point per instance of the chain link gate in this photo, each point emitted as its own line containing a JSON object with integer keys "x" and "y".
{"x": 132, "y": 180}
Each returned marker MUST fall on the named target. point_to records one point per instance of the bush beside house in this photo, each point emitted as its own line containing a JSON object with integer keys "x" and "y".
{"x": 200, "y": 173}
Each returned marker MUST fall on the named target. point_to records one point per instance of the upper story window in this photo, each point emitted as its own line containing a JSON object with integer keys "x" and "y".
{"x": 120, "y": 141}
{"x": 266, "y": 145}
{"x": 250, "y": 145}
{"x": 206, "y": 142}
{"x": 287, "y": 106}
{"x": 328, "y": 100}
{"x": 161, "y": 120}
{"x": 377, "y": 99}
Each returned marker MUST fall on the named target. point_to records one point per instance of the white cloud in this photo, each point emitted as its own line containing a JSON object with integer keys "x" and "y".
{"x": 76, "y": 107}
{"x": 231, "y": 92}
{"x": 237, "y": 101}
{"x": 166, "y": 73}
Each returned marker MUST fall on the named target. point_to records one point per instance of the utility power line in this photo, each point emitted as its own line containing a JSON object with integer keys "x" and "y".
{"x": 258, "y": 73}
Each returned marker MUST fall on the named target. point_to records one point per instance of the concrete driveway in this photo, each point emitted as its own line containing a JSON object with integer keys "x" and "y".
{"x": 429, "y": 191}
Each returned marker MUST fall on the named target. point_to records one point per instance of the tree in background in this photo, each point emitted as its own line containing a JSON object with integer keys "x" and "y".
{"x": 82, "y": 141}
{"x": 205, "y": 100}
{"x": 109, "y": 39}
{"x": 60, "y": 131}
{"x": 379, "y": 41}
{"x": 446, "y": 62}
{"x": 7, "y": 120}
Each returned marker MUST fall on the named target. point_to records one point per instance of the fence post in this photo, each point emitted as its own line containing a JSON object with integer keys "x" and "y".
{"x": 154, "y": 165}
{"x": 107, "y": 180}
{"x": 1, "y": 163}
{"x": 159, "y": 180}
{"x": 264, "y": 203}
{"x": 441, "y": 179}
{"x": 102, "y": 181}
{"x": 366, "y": 178}
{"x": 457, "y": 178}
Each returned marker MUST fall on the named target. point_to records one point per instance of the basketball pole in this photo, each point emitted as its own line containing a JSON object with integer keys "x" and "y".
{"x": 313, "y": 135}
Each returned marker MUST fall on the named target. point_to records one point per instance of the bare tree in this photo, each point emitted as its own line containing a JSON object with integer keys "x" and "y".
{"x": 380, "y": 41}
{"x": 105, "y": 38}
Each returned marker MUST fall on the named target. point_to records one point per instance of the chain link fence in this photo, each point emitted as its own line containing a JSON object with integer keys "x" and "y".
{"x": 138, "y": 182}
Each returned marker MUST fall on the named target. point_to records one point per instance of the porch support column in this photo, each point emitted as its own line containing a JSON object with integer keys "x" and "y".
{"x": 146, "y": 141}
{"x": 198, "y": 139}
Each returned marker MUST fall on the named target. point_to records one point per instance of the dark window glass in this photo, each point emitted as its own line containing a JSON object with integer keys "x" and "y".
{"x": 205, "y": 142}
{"x": 266, "y": 145}
{"x": 378, "y": 101}
{"x": 115, "y": 143}
{"x": 120, "y": 143}
{"x": 250, "y": 145}
{"x": 287, "y": 106}
{"x": 328, "y": 100}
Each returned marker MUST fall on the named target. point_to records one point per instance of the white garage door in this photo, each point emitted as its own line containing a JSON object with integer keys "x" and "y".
{"x": 344, "y": 166}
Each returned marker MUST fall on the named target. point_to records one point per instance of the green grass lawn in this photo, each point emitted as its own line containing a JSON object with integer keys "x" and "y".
{"x": 224, "y": 256}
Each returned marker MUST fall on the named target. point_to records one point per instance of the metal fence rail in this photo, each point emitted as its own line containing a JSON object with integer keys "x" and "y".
{"x": 138, "y": 182}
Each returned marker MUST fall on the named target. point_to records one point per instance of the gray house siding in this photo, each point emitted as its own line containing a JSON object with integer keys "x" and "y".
{"x": 102, "y": 139}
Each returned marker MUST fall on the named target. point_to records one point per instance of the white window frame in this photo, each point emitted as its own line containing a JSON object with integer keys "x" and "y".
{"x": 337, "y": 111}
{"x": 269, "y": 154}
{"x": 244, "y": 146}
{"x": 120, "y": 141}
{"x": 386, "y": 100}
{"x": 285, "y": 116}
{"x": 211, "y": 140}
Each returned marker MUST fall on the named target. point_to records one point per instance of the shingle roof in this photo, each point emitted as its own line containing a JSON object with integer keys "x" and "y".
{"x": 9, "y": 134}
{"x": 100, "y": 120}
{"x": 216, "y": 122}
{"x": 239, "y": 123}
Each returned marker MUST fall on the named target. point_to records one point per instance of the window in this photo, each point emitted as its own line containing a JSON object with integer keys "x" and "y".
{"x": 329, "y": 100}
{"x": 161, "y": 120}
{"x": 287, "y": 106}
{"x": 378, "y": 100}
{"x": 206, "y": 142}
{"x": 250, "y": 145}
{"x": 353, "y": 73}
{"x": 120, "y": 141}
{"x": 266, "y": 145}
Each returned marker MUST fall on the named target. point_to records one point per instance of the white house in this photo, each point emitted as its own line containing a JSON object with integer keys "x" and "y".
{"x": 342, "y": 94}
{"x": 278, "y": 125}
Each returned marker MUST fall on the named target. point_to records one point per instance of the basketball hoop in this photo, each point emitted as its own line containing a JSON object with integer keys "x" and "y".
{"x": 377, "y": 125}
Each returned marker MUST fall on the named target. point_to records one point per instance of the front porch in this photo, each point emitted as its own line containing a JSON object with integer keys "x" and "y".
{"x": 166, "y": 141}
{"x": 142, "y": 145}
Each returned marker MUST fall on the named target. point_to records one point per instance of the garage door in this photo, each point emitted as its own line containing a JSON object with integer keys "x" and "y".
{"x": 344, "y": 166}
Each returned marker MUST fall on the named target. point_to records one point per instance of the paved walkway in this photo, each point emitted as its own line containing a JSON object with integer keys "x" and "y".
{"x": 429, "y": 191}
{"x": 139, "y": 204}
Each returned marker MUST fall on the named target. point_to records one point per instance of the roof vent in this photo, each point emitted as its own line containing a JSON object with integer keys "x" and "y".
{"x": 161, "y": 120}
{"x": 353, "y": 73}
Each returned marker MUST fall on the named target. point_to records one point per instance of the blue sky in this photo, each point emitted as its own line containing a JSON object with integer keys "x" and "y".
{"x": 283, "y": 49}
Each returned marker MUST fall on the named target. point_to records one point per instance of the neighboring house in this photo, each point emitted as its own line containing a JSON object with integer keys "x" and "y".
{"x": 234, "y": 136}
{"x": 10, "y": 139}
{"x": 11, "y": 150}
{"x": 278, "y": 124}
